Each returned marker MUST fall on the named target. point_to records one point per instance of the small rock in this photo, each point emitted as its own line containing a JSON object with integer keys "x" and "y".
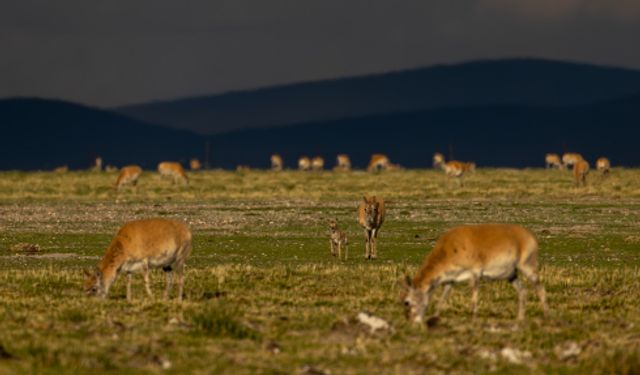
{"x": 273, "y": 347}
{"x": 568, "y": 350}
{"x": 373, "y": 322}
{"x": 514, "y": 356}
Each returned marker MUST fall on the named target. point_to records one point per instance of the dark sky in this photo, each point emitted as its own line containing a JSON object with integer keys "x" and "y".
{"x": 116, "y": 52}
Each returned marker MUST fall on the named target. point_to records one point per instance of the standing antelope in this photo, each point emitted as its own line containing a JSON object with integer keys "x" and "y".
{"x": 343, "y": 163}
{"x": 97, "y": 165}
{"x": 138, "y": 247}
{"x": 276, "y": 163}
{"x": 195, "y": 164}
{"x": 128, "y": 175}
{"x": 338, "y": 240}
{"x": 370, "y": 217}
{"x": 580, "y": 171}
{"x": 603, "y": 165}
{"x": 553, "y": 161}
{"x": 173, "y": 170}
{"x": 438, "y": 160}
{"x": 304, "y": 164}
{"x": 378, "y": 162}
{"x": 458, "y": 169}
{"x": 570, "y": 159}
{"x": 317, "y": 163}
{"x": 470, "y": 253}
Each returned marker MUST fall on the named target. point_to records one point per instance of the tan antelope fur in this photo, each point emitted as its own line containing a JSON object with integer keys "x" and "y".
{"x": 128, "y": 175}
{"x": 553, "y": 161}
{"x": 276, "y": 162}
{"x": 174, "y": 170}
{"x": 195, "y": 165}
{"x": 458, "y": 169}
{"x": 370, "y": 217}
{"x": 471, "y": 253}
{"x": 338, "y": 240}
{"x": 378, "y": 163}
{"x": 317, "y": 163}
{"x": 580, "y": 172}
{"x": 569, "y": 159}
{"x": 343, "y": 163}
{"x": 304, "y": 164}
{"x": 438, "y": 160}
{"x": 603, "y": 165}
{"x": 140, "y": 246}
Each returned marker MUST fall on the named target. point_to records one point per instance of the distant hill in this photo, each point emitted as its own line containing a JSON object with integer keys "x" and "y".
{"x": 512, "y": 136}
{"x": 43, "y": 134}
{"x": 525, "y": 82}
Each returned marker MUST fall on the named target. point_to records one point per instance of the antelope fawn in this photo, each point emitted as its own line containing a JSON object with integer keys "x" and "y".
{"x": 370, "y": 217}
{"x": 138, "y": 247}
{"x": 580, "y": 172}
{"x": 173, "y": 170}
{"x": 128, "y": 175}
{"x": 378, "y": 163}
{"x": 471, "y": 253}
{"x": 338, "y": 240}
{"x": 553, "y": 161}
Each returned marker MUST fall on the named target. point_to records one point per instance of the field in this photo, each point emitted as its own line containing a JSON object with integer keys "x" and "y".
{"x": 263, "y": 295}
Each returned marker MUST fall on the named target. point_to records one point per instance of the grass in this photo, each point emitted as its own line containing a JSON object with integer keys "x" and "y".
{"x": 263, "y": 295}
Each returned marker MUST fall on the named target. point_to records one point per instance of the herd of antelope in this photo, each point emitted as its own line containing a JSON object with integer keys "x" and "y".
{"x": 467, "y": 253}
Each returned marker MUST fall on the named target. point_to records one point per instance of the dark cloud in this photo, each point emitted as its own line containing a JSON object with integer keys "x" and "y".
{"x": 116, "y": 52}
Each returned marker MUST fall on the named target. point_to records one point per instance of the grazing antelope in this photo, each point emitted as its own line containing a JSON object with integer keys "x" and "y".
{"x": 317, "y": 163}
{"x": 138, "y": 247}
{"x": 603, "y": 165}
{"x": 553, "y": 161}
{"x": 569, "y": 159}
{"x": 343, "y": 163}
{"x": 97, "y": 165}
{"x": 470, "y": 253}
{"x": 195, "y": 165}
{"x": 174, "y": 170}
{"x": 580, "y": 172}
{"x": 338, "y": 240}
{"x": 304, "y": 164}
{"x": 276, "y": 162}
{"x": 438, "y": 160}
{"x": 378, "y": 162}
{"x": 370, "y": 217}
{"x": 128, "y": 175}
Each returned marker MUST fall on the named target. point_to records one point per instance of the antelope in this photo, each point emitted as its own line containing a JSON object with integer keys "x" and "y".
{"x": 337, "y": 240}
{"x": 580, "y": 171}
{"x": 61, "y": 169}
{"x": 458, "y": 169}
{"x": 128, "y": 175}
{"x": 569, "y": 159}
{"x": 378, "y": 162}
{"x": 438, "y": 160}
{"x": 276, "y": 162}
{"x": 317, "y": 163}
{"x": 97, "y": 165}
{"x": 343, "y": 163}
{"x": 304, "y": 164}
{"x": 471, "y": 253}
{"x": 138, "y": 247}
{"x": 370, "y": 217}
{"x": 195, "y": 165}
{"x": 243, "y": 168}
{"x": 553, "y": 161}
{"x": 603, "y": 165}
{"x": 174, "y": 170}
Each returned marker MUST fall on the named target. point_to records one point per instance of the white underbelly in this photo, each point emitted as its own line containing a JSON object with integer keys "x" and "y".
{"x": 137, "y": 265}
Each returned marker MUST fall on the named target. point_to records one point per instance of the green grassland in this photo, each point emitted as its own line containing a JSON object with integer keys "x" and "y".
{"x": 263, "y": 295}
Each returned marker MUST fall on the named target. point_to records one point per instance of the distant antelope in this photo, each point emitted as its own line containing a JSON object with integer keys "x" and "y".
{"x": 174, "y": 170}
{"x": 580, "y": 171}
{"x": 317, "y": 163}
{"x": 438, "y": 160}
{"x": 370, "y": 217}
{"x": 603, "y": 165}
{"x": 470, "y": 253}
{"x": 569, "y": 159}
{"x": 378, "y": 162}
{"x": 458, "y": 169}
{"x": 138, "y": 247}
{"x": 97, "y": 165}
{"x": 128, "y": 175}
{"x": 276, "y": 162}
{"x": 343, "y": 163}
{"x": 195, "y": 165}
{"x": 338, "y": 240}
{"x": 243, "y": 168}
{"x": 304, "y": 164}
{"x": 61, "y": 169}
{"x": 553, "y": 161}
